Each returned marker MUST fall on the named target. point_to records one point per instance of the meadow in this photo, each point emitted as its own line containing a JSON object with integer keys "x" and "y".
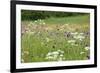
{"x": 55, "y": 39}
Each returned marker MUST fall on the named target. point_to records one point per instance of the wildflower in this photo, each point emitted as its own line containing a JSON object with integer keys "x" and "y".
{"x": 55, "y": 55}
{"x": 43, "y": 23}
{"x": 47, "y": 39}
{"x": 31, "y": 32}
{"x": 26, "y": 52}
{"x": 22, "y": 60}
{"x": 81, "y": 33}
{"x": 62, "y": 52}
{"x": 35, "y": 21}
{"x": 49, "y": 54}
{"x": 87, "y": 48}
{"x": 58, "y": 50}
{"x": 71, "y": 41}
{"x": 74, "y": 33}
{"x": 82, "y": 52}
{"x": 80, "y": 37}
{"x": 61, "y": 55}
{"x": 49, "y": 57}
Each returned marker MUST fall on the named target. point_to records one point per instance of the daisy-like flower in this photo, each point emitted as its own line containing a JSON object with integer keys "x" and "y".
{"x": 74, "y": 33}
{"x": 49, "y": 54}
{"x": 81, "y": 33}
{"x": 32, "y": 32}
{"x": 60, "y": 51}
{"x": 22, "y": 60}
{"x": 82, "y": 52}
{"x": 35, "y": 21}
{"x": 26, "y": 52}
{"x": 47, "y": 39}
{"x": 55, "y": 55}
{"x": 79, "y": 37}
{"x": 71, "y": 41}
{"x": 49, "y": 57}
{"x": 87, "y": 48}
{"x": 61, "y": 55}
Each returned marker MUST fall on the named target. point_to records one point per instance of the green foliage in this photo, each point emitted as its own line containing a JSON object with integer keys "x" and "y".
{"x": 80, "y": 19}
{"x": 40, "y": 39}
{"x": 34, "y": 15}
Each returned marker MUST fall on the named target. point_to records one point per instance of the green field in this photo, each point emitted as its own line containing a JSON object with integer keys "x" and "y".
{"x": 55, "y": 39}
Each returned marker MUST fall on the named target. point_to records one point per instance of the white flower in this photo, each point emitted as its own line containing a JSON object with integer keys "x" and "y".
{"x": 47, "y": 39}
{"x": 35, "y": 21}
{"x": 74, "y": 33}
{"x": 49, "y": 54}
{"x": 55, "y": 57}
{"x": 58, "y": 50}
{"x": 22, "y": 60}
{"x": 62, "y": 52}
{"x": 87, "y": 48}
{"x": 81, "y": 33}
{"x": 55, "y": 53}
{"x": 43, "y": 23}
{"x": 26, "y": 52}
{"x": 49, "y": 57}
{"x": 71, "y": 41}
{"x": 61, "y": 55}
{"x": 82, "y": 52}
{"x": 31, "y": 32}
{"x": 80, "y": 37}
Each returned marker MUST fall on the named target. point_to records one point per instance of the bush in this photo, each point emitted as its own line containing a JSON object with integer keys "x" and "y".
{"x": 34, "y": 15}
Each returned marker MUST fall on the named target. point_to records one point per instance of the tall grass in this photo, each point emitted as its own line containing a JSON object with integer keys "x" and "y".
{"x": 40, "y": 39}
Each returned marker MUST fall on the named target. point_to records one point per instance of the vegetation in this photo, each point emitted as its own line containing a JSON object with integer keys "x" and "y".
{"x": 54, "y": 36}
{"x": 34, "y": 15}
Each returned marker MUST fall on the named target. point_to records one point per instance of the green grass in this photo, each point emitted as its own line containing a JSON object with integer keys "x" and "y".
{"x": 70, "y": 20}
{"x": 38, "y": 41}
